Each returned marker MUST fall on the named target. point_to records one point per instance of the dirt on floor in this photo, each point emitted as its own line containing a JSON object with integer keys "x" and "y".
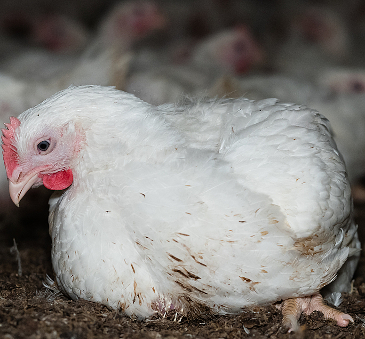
{"x": 29, "y": 310}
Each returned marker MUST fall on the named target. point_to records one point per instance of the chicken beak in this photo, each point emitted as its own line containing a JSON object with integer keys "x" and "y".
{"x": 18, "y": 189}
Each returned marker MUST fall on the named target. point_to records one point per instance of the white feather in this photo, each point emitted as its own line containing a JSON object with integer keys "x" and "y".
{"x": 227, "y": 203}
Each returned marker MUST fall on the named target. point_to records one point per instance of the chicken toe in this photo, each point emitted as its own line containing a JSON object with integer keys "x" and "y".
{"x": 292, "y": 309}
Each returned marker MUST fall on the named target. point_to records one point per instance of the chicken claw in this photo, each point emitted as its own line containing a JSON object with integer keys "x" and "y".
{"x": 292, "y": 309}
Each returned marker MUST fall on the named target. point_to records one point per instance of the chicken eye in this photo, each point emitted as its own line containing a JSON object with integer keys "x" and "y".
{"x": 43, "y": 146}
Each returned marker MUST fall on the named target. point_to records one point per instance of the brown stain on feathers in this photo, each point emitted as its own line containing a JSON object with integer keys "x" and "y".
{"x": 139, "y": 244}
{"x": 186, "y": 273}
{"x": 121, "y": 305}
{"x": 189, "y": 288}
{"x": 173, "y": 257}
{"x": 194, "y": 256}
{"x": 307, "y": 246}
{"x": 136, "y": 295}
{"x": 250, "y": 282}
{"x": 198, "y": 262}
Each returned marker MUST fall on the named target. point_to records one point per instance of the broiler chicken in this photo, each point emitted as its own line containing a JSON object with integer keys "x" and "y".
{"x": 343, "y": 80}
{"x": 59, "y": 33}
{"x": 224, "y": 204}
{"x": 232, "y": 51}
{"x": 53, "y": 46}
{"x": 235, "y": 51}
{"x": 318, "y": 38}
{"x": 118, "y": 32}
{"x": 126, "y": 23}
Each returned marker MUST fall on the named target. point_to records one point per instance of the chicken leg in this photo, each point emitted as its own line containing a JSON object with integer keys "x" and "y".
{"x": 292, "y": 309}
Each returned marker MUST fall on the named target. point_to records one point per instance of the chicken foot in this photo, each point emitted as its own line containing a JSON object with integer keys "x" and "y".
{"x": 292, "y": 309}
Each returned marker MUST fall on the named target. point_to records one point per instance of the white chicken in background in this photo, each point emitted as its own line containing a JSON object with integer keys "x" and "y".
{"x": 124, "y": 26}
{"x": 37, "y": 65}
{"x": 118, "y": 32}
{"x": 127, "y": 23}
{"x": 232, "y": 51}
{"x": 347, "y": 117}
{"x": 168, "y": 84}
{"x": 157, "y": 198}
{"x": 59, "y": 34}
{"x": 326, "y": 29}
{"x": 318, "y": 38}
{"x": 52, "y": 31}
{"x": 343, "y": 80}
{"x": 52, "y": 43}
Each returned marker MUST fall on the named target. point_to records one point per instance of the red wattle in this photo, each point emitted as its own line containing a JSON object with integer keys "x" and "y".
{"x": 58, "y": 181}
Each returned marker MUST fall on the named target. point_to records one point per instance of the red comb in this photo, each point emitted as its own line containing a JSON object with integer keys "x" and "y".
{"x": 9, "y": 151}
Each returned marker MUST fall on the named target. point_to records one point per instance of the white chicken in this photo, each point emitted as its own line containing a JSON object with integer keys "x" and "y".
{"x": 169, "y": 83}
{"x": 343, "y": 80}
{"x": 59, "y": 33}
{"x": 118, "y": 32}
{"x": 222, "y": 203}
{"x": 126, "y": 23}
{"x": 232, "y": 51}
{"x": 54, "y": 42}
{"x": 319, "y": 37}
{"x": 49, "y": 29}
